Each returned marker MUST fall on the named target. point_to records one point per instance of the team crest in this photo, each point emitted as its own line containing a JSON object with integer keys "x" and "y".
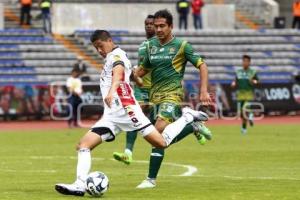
{"x": 153, "y": 50}
{"x": 117, "y": 58}
{"x": 172, "y": 50}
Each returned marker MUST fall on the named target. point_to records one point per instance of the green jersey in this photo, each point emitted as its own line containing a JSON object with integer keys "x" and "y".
{"x": 244, "y": 85}
{"x": 167, "y": 64}
{"x": 141, "y": 57}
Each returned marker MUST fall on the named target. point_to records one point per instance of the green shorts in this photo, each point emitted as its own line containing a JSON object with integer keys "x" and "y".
{"x": 169, "y": 112}
{"x": 141, "y": 94}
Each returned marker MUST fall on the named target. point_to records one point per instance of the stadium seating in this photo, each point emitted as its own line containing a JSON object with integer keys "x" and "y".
{"x": 27, "y": 55}
{"x": 275, "y": 52}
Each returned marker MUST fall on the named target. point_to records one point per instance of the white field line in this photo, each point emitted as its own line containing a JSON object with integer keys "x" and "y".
{"x": 190, "y": 170}
{"x": 29, "y": 171}
{"x": 250, "y": 177}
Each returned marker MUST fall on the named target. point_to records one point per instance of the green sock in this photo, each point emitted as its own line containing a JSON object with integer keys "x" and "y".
{"x": 188, "y": 129}
{"x": 244, "y": 125}
{"x": 130, "y": 139}
{"x": 157, "y": 155}
{"x": 156, "y": 158}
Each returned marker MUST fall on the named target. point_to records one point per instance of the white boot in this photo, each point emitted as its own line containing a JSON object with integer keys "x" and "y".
{"x": 148, "y": 183}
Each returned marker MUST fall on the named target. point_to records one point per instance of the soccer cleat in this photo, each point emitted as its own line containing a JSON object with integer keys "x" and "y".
{"x": 123, "y": 157}
{"x": 201, "y": 139}
{"x": 201, "y": 132}
{"x": 244, "y": 131}
{"x": 198, "y": 115}
{"x": 148, "y": 183}
{"x": 70, "y": 189}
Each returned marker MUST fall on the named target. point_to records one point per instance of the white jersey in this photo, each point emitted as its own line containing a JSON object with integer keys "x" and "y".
{"x": 125, "y": 113}
{"x": 124, "y": 94}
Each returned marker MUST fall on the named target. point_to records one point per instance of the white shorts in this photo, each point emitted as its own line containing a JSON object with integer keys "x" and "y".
{"x": 131, "y": 118}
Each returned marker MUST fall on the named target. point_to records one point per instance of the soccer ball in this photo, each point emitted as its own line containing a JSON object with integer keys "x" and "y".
{"x": 97, "y": 183}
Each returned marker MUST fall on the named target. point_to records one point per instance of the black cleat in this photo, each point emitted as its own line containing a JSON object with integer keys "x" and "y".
{"x": 69, "y": 189}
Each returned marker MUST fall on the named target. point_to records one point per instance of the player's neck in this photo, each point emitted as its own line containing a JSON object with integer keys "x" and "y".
{"x": 167, "y": 40}
{"x": 149, "y": 36}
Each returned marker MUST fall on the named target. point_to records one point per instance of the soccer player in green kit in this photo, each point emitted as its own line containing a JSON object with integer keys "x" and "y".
{"x": 245, "y": 80}
{"x": 166, "y": 57}
{"x": 141, "y": 93}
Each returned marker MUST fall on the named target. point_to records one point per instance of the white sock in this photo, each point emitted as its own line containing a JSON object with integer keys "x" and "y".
{"x": 83, "y": 165}
{"x": 128, "y": 152}
{"x": 172, "y": 130}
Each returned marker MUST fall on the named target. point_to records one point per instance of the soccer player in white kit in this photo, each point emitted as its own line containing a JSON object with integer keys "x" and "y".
{"x": 121, "y": 112}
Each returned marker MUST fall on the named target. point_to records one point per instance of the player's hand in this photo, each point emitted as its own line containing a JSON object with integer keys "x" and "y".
{"x": 108, "y": 99}
{"x": 205, "y": 99}
{"x": 138, "y": 80}
{"x": 233, "y": 84}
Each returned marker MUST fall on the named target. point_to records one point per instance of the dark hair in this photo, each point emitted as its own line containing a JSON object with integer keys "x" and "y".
{"x": 75, "y": 70}
{"x": 102, "y": 35}
{"x": 150, "y": 17}
{"x": 164, "y": 14}
{"x": 247, "y": 57}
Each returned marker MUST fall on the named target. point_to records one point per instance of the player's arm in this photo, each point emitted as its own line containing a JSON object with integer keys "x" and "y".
{"x": 117, "y": 78}
{"x": 198, "y": 62}
{"x": 144, "y": 65}
{"x": 135, "y": 78}
{"x": 204, "y": 95}
{"x": 141, "y": 71}
{"x": 233, "y": 83}
{"x": 254, "y": 80}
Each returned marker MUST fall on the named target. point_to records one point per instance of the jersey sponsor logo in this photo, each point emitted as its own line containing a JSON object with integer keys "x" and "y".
{"x": 124, "y": 93}
{"x": 160, "y": 57}
{"x": 162, "y": 50}
{"x": 153, "y": 50}
{"x": 124, "y": 90}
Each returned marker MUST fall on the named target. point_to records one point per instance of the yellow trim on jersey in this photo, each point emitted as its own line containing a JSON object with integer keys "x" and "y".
{"x": 179, "y": 59}
{"x": 199, "y": 62}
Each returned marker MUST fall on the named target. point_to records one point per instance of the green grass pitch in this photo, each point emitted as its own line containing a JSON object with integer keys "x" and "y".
{"x": 263, "y": 165}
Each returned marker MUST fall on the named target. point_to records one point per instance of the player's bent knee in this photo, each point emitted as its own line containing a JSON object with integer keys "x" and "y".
{"x": 155, "y": 139}
{"x": 105, "y": 133}
{"x": 82, "y": 145}
{"x": 160, "y": 144}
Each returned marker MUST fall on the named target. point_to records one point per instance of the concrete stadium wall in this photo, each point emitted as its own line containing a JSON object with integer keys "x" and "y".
{"x": 1, "y": 16}
{"x": 219, "y": 16}
{"x": 68, "y": 17}
{"x": 286, "y": 10}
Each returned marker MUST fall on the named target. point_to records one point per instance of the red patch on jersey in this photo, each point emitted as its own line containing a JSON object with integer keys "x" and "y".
{"x": 125, "y": 94}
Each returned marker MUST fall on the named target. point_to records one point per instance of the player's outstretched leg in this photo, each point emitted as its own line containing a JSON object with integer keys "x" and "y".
{"x": 172, "y": 133}
{"x": 126, "y": 157}
{"x": 88, "y": 142}
{"x": 156, "y": 158}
